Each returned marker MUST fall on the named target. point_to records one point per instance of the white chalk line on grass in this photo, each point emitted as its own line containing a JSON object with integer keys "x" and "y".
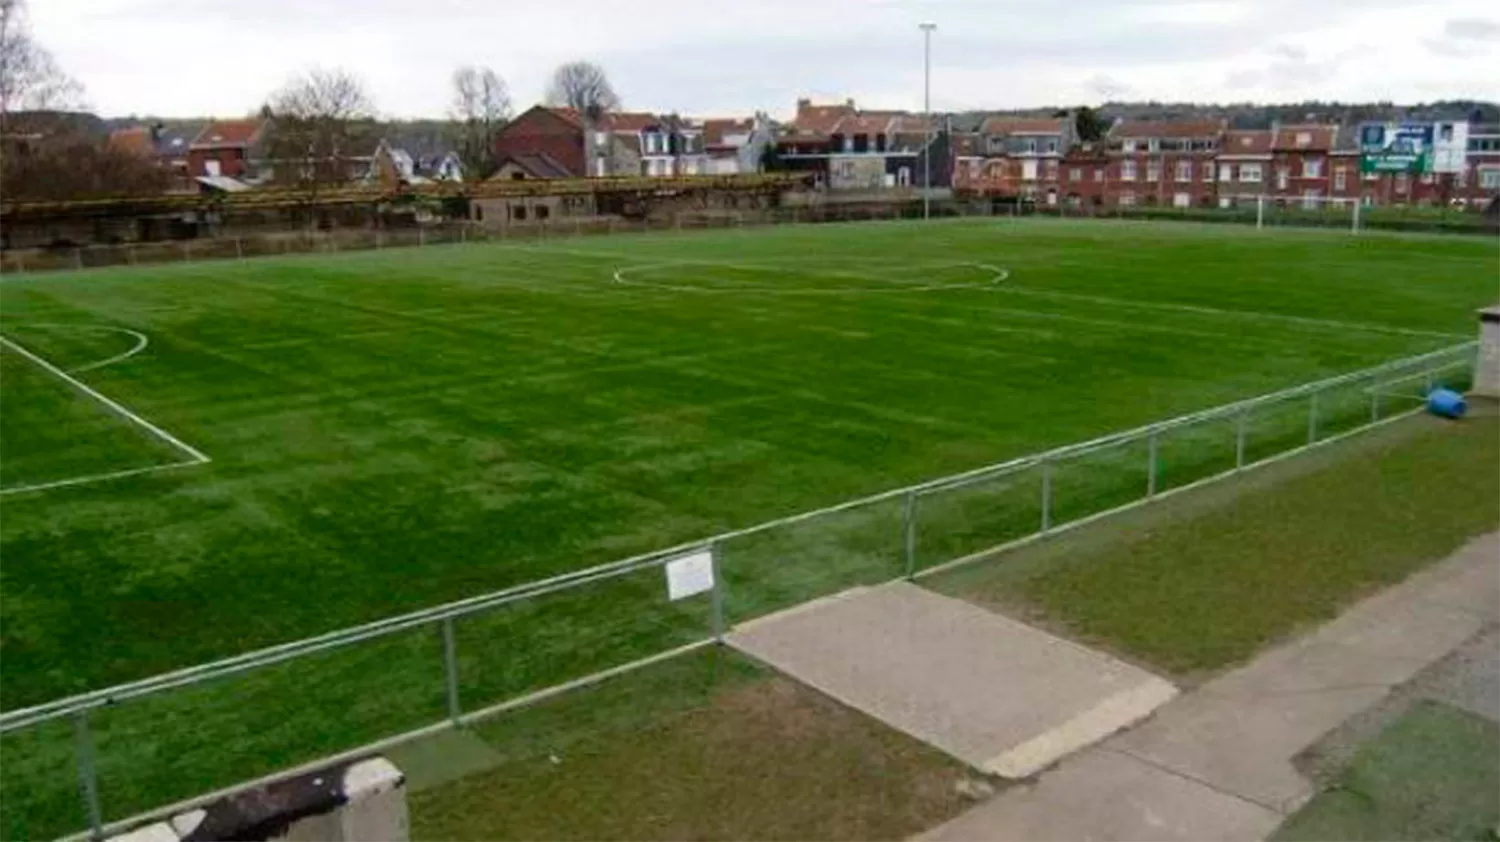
{"x": 1014, "y": 289}
{"x": 141, "y": 341}
{"x": 998, "y": 277}
{"x": 195, "y": 456}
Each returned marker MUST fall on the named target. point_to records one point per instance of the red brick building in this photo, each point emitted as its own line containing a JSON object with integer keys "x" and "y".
{"x": 1163, "y": 163}
{"x": 1243, "y": 167}
{"x": 1083, "y": 178}
{"x": 543, "y": 133}
{"x": 225, "y": 147}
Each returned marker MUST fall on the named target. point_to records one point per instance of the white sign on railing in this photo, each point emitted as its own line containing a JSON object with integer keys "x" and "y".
{"x": 690, "y": 575}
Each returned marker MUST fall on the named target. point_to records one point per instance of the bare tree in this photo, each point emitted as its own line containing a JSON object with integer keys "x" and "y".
{"x": 319, "y": 121}
{"x": 481, "y": 107}
{"x": 584, "y": 87}
{"x": 30, "y": 79}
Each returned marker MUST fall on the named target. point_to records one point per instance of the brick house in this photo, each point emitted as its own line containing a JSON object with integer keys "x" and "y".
{"x": 1480, "y": 182}
{"x": 226, "y": 147}
{"x": 1163, "y": 162}
{"x": 1083, "y": 177}
{"x": 1014, "y": 156}
{"x": 553, "y": 134}
{"x": 1243, "y": 167}
{"x": 735, "y": 145}
{"x": 1300, "y": 163}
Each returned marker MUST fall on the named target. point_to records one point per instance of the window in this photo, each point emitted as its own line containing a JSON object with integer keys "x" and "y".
{"x": 542, "y": 211}
{"x": 1340, "y": 179}
{"x": 1075, "y": 174}
{"x": 1489, "y": 179}
{"x": 1051, "y": 171}
{"x": 1282, "y": 175}
{"x": 903, "y": 176}
{"x": 1098, "y": 173}
{"x": 1153, "y": 145}
{"x": 1368, "y": 200}
{"x": 1127, "y": 171}
{"x": 1184, "y": 170}
{"x": 211, "y": 167}
{"x": 1051, "y": 147}
{"x": 518, "y": 176}
{"x": 1310, "y": 199}
{"x": 1127, "y": 145}
{"x": 518, "y": 212}
{"x": 1208, "y": 172}
{"x": 1250, "y": 173}
{"x": 844, "y": 169}
{"x": 1312, "y": 168}
{"x": 1226, "y": 172}
{"x": 1304, "y": 139}
{"x": 1182, "y": 200}
{"x": 1153, "y": 170}
{"x": 478, "y": 212}
{"x": 1127, "y": 198}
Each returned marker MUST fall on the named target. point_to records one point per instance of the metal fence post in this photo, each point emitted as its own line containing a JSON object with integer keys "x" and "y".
{"x": 1151, "y": 464}
{"x": 421, "y": 236}
{"x": 1312, "y": 418}
{"x": 450, "y": 670}
{"x": 1240, "y": 424}
{"x": 239, "y": 249}
{"x": 717, "y": 595}
{"x": 130, "y": 253}
{"x": 78, "y": 258}
{"x": 909, "y": 533}
{"x": 88, "y": 776}
{"x": 1046, "y": 496}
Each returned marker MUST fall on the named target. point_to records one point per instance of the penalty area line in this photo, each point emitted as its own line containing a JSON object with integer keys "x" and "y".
{"x": 195, "y": 457}
{"x": 131, "y": 472}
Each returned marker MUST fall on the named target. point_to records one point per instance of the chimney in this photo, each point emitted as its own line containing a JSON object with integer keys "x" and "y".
{"x": 849, "y": 103}
{"x": 803, "y": 104}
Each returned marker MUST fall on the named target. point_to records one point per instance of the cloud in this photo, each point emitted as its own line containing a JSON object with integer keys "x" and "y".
{"x": 729, "y": 56}
{"x": 1472, "y": 29}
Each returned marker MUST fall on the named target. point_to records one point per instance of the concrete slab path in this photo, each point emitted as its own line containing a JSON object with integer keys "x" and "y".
{"x": 1217, "y": 762}
{"x": 1002, "y": 696}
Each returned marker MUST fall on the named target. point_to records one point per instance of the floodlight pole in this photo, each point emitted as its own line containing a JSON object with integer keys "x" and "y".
{"x": 927, "y": 29}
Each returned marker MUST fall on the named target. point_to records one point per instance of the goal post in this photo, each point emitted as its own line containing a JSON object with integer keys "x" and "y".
{"x": 1309, "y": 211}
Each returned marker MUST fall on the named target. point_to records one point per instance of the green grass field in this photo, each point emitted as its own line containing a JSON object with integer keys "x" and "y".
{"x": 389, "y": 430}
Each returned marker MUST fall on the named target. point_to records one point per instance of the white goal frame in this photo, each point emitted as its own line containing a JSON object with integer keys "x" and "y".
{"x": 1310, "y": 203}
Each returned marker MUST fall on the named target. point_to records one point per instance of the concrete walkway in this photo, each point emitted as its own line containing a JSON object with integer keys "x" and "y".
{"x": 1217, "y": 763}
{"x": 1002, "y": 696}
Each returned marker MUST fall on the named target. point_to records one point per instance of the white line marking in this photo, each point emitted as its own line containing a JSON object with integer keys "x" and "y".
{"x": 43, "y": 486}
{"x": 1243, "y": 314}
{"x": 619, "y": 275}
{"x": 141, "y": 341}
{"x": 115, "y": 407}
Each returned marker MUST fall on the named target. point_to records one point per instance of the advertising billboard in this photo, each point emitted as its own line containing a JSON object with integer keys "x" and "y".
{"x": 1413, "y": 147}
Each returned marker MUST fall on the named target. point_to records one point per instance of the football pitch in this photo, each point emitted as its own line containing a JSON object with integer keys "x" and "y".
{"x": 199, "y": 460}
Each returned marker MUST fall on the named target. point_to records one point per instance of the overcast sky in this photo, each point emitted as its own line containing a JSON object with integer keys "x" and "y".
{"x": 722, "y": 57}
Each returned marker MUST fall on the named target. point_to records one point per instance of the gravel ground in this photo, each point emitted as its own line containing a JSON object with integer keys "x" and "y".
{"x": 1468, "y": 678}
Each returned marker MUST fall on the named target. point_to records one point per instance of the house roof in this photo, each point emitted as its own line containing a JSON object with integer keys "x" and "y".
{"x": 537, "y": 165}
{"x": 714, "y": 130}
{"x": 820, "y": 119}
{"x": 631, "y": 121}
{"x": 1312, "y": 136}
{"x": 870, "y": 124}
{"x": 136, "y": 140}
{"x": 220, "y": 133}
{"x": 174, "y": 143}
{"x": 1022, "y": 125}
{"x": 223, "y": 183}
{"x": 1167, "y": 128}
{"x": 1246, "y": 143}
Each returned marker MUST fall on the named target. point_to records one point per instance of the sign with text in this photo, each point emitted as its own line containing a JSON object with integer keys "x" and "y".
{"x": 1440, "y": 147}
{"x": 690, "y": 575}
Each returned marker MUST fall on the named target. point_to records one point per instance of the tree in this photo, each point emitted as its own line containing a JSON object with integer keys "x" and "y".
{"x": 320, "y": 120}
{"x": 1091, "y": 125}
{"x": 481, "y": 107}
{"x": 30, "y": 79}
{"x": 584, "y": 87}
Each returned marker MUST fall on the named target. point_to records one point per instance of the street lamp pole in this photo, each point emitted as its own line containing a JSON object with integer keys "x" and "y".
{"x": 927, "y": 29}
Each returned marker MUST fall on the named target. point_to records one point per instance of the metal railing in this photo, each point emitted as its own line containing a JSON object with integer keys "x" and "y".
{"x": 577, "y": 628}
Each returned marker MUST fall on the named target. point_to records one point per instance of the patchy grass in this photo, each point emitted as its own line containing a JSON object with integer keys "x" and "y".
{"x": 1434, "y": 774}
{"x": 1192, "y": 585}
{"x": 708, "y": 746}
